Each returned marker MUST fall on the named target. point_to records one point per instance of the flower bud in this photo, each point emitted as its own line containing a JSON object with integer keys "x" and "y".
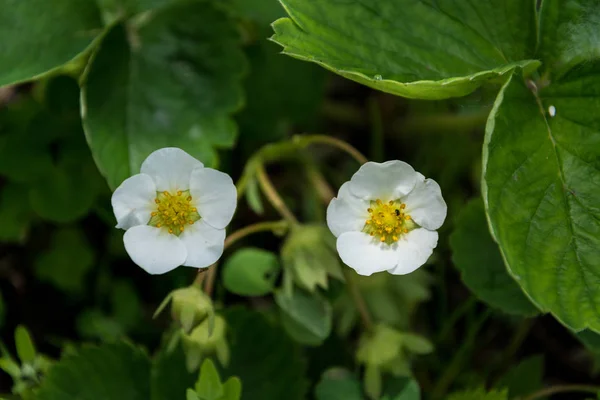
{"x": 309, "y": 255}
{"x": 190, "y": 306}
{"x": 207, "y": 339}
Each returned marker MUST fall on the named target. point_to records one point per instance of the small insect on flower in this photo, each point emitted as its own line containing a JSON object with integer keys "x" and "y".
{"x": 174, "y": 212}
{"x": 385, "y": 218}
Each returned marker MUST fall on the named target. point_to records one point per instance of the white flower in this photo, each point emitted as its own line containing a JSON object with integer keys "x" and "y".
{"x": 385, "y": 218}
{"x": 175, "y": 212}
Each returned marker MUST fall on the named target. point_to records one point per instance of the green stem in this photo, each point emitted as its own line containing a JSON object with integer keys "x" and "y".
{"x": 306, "y": 140}
{"x": 563, "y": 389}
{"x": 357, "y": 298}
{"x": 456, "y": 364}
{"x": 458, "y": 313}
{"x": 273, "y": 226}
{"x": 273, "y": 196}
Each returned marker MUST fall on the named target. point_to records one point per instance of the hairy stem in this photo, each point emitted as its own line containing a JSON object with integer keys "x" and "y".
{"x": 211, "y": 274}
{"x": 273, "y": 196}
{"x": 305, "y": 140}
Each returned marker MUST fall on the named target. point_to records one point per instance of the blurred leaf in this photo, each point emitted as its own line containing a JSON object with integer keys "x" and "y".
{"x": 170, "y": 378}
{"x": 24, "y": 343}
{"x": 414, "y": 49}
{"x": 541, "y": 177}
{"x": 590, "y": 339}
{"x": 69, "y": 188}
{"x": 174, "y": 81}
{"x": 126, "y": 304}
{"x": 114, "y": 9}
{"x": 23, "y": 158}
{"x": 268, "y": 363}
{"x": 253, "y": 197}
{"x": 35, "y": 44}
{"x": 15, "y": 213}
{"x": 97, "y": 325}
{"x": 338, "y": 384}
{"x": 2, "y": 310}
{"x": 569, "y": 33}
{"x": 67, "y": 261}
{"x": 380, "y": 346}
{"x": 401, "y": 389}
{"x": 525, "y": 378}
{"x": 209, "y": 386}
{"x": 479, "y": 394}
{"x": 232, "y": 389}
{"x": 264, "y": 12}
{"x": 372, "y": 381}
{"x": 416, "y": 344}
{"x": 268, "y": 116}
{"x": 307, "y": 311}
{"x": 109, "y": 371}
{"x": 251, "y": 272}
{"x": 478, "y": 258}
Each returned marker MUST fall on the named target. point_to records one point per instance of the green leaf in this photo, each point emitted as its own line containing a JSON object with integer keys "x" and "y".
{"x": 480, "y": 394}
{"x": 251, "y": 272}
{"x": 401, "y": 389}
{"x": 478, "y": 258}
{"x": 569, "y": 34}
{"x": 35, "y": 44}
{"x": 541, "y": 186}
{"x": 269, "y": 364}
{"x": 525, "y": 378}
{"x": 15, "y": 213}
{"x": 109, "y": 371}
{"x": 310, "y": 312}
{"x": 170, "y": 377}
{"x": 417, "y": 49}
{"x": 25, "y": 346}
{"x": 173, "y": 81}
{"x": 338, "y": 384}
{"x": 2, "y": 310}
{"x": 232, "y": 389}
{"x": 416, "y": 344}
{"x": 67, "y": 262}
{"x": 23, "y": 158}
{"x": 209, "y": 386}
{"x": 191, "y": 395}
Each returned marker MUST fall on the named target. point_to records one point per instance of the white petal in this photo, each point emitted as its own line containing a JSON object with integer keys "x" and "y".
{"x": 346, "y": 212}
{"x": 365, "y": 254}
{"x": 133, "y": 201}
{"x": 425, "y": 205}
{"x": 388, "y": 181}
{"x": 170, "y": 168}
{"x": 413, "y": 250}
{"x": 204, "y": 244}
{"x": 154, "y": 249}
{"x": 215, "y": 196}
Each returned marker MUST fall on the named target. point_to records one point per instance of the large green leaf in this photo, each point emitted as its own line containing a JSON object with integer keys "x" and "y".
{"x": 110, "y": 371}
{"x": 541, "y": 184}
{"x": 172, "y": 82}
{"x": 477, "y": 257}
{"x": 569, "y": 34}
{"x": 414, "y": 48}
{"x": 39, "y": 36}
{"x": 268, "y": 363}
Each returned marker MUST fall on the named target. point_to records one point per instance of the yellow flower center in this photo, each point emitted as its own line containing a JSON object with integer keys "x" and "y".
{"x": 388, "y": 221}
{"x": 174, "y": 211}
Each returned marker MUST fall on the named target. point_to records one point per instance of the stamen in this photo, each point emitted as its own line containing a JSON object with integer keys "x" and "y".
{"x": 386, "y": 221}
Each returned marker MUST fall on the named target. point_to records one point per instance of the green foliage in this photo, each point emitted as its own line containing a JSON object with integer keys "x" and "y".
{"x": 207, "y": 339}
{"x": 338, "y": 384}
{"x": 306, "y": 318}
{"x": 42, "y": 45}
{"x": 525, "y": 378}
{"x": 67, "y": 261}
{"x": 309, "y": 255}
{"x": 268, "y": 363}
{"x": 114, "y": 371}
{"x": 251, "y": 272}
{"x": 412, "y": 49}
{"x": 170, "y": 377}
{"x": 540, "y": 193}
{"x": 172, "y": 81}
{"x": 15, "y": 213}
{"x": 477, "y": 257}
{"x": 480, "y": 394}
{"x": 209, "y": 386}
